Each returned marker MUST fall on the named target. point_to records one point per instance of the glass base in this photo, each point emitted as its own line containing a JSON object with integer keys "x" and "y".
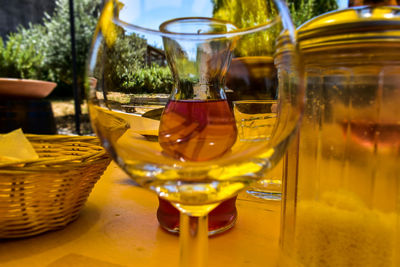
{"x": 266, "y": 189}
{"x": 210, "y": 233}
{"x": 271, "y": 187}
{"x": 221, "y": 219}
{"x": 277, "y": 196}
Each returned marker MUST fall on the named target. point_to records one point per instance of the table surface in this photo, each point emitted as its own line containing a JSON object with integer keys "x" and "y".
{"x": 118, "y": 227}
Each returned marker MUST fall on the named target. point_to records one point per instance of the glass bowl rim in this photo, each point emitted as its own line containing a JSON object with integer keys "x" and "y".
{"x": 201, "y": 36}
{"x": 283, "y": 17}
{"x": 162, "y": 27}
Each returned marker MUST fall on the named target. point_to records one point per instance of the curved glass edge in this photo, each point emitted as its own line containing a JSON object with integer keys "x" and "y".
{"x": 110, "y": 11}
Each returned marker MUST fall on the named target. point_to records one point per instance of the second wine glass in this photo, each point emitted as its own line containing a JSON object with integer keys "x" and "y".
{"x": 186, "y": 147}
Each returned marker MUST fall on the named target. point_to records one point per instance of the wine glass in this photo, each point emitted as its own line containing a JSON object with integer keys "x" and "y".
{"x": 176, "y": 129}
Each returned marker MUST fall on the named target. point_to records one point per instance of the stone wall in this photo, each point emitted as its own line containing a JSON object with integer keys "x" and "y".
{"x": 21, "y": 12}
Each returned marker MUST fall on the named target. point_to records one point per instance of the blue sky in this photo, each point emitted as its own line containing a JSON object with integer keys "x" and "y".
{"x": 150, "y": 14}
{"x": 342, "y": 3}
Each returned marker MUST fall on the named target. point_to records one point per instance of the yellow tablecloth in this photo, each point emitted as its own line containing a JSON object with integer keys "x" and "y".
{"x": 118, "y": 227}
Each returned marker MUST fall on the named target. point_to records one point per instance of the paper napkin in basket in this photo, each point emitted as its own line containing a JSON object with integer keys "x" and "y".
{"x": 14, "y": 146}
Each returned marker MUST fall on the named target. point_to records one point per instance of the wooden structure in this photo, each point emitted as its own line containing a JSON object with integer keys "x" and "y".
{"x": 155, "y": 56}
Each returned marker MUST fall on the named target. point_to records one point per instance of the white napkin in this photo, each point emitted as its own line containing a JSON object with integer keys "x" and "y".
{"x": 14, "y": 146}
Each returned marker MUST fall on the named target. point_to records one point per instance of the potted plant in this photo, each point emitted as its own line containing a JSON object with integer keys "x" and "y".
{"x": 21, "y": 90}
{"x": 20, "y": 70}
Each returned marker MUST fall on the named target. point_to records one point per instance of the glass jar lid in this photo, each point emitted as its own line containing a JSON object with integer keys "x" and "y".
{"x": 363, "y": 25}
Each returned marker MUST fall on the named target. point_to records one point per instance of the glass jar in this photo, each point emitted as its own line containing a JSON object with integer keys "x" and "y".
{"x": 342, "y": 175}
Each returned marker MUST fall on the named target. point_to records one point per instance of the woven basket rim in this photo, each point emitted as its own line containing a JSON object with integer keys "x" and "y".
{"x": 91, "y": 142}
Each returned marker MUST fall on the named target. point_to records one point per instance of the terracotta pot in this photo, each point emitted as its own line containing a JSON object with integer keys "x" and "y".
{"x": 23, "y": 88}
{"x": 252, "y": 78}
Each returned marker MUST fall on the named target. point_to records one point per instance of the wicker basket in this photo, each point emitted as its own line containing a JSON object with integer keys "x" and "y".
{"x": 48, "y": 193}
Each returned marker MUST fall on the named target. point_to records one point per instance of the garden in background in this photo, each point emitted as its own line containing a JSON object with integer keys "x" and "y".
{"x": 43, "y": 52}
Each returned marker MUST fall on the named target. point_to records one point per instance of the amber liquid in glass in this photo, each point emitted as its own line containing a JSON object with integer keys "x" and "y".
{"x": 195, "y": 130}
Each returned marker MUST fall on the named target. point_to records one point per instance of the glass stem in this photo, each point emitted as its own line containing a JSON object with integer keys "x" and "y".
{"x": 193, "y": 235}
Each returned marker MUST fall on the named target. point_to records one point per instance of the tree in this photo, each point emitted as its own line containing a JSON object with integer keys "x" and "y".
{"x": 238, "y": 11}
{"x": 244, "y": 14}
{"x": 121, "y": 58}
{"x": 304, "y": 10}
{"x": 56, "y": 41}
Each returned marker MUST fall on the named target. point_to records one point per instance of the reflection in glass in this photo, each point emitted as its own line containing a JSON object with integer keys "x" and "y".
{"x": 173, "y": 129}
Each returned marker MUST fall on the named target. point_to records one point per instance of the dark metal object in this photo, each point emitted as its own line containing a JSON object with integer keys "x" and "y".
{"x": 77, "y": 93}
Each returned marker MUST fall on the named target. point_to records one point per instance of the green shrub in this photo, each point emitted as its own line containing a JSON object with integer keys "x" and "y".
{"x": 154, "y": 79}
{"x": 121, "y": 65}
{"x": 125, "y": 56}
{"x": 19, "y": 60}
